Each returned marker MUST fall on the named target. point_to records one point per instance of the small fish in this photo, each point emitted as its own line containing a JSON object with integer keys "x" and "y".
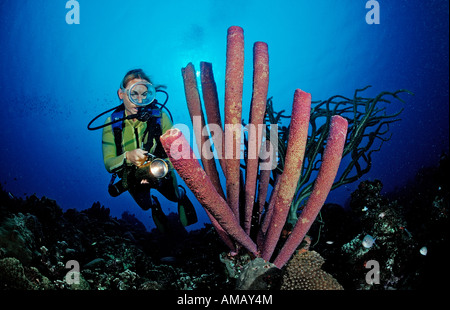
{"x": 329, "y": 242}
{"x": 11, "y": 195}
{"x": 168, "y": 259}
{"x": 368, "y": 241}
{"x": 364, "y": 209}
{"x": 423, "y": 251}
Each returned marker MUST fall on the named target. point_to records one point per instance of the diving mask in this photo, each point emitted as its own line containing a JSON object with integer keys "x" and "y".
{"x": 141, "y": 93}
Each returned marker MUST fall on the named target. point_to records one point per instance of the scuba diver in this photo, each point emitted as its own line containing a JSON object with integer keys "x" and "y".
{"x": 133, "y": 152}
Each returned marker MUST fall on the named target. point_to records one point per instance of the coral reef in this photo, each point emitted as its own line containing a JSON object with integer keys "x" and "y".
{"x": 15, "y": 276}
{"x": 40, "y": 245}
{"x": 38, "y": 240}
{"x": 258, "y": 274}
{"x": 409, "y": 228}
{"x": 303, "y": 272}
{"x": 16, "y": 239}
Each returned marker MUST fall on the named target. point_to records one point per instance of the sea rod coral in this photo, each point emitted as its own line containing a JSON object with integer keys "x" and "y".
{"x": 225, "y": 209}
{"x": 368, "y": 128}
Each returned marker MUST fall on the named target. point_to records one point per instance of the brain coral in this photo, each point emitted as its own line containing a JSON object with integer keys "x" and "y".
{"x": 303, "y": 272}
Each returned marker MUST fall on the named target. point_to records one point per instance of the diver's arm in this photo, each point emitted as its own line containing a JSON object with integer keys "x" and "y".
{"x": 166, "y": 123}
{"x": 112, "y": 161}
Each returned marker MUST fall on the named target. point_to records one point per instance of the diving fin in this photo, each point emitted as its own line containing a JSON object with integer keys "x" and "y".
{"x": 160, "y": 219}
{"x": 186, "y": 210}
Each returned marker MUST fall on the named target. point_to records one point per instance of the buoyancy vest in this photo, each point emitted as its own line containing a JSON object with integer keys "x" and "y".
{"x": 153, "y": 130}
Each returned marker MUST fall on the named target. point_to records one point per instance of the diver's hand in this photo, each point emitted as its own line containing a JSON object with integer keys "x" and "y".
{"x": 137, "y": 157}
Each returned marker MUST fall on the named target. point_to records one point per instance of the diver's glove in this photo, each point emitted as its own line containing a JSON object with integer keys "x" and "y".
{"x": 137, "y": 156}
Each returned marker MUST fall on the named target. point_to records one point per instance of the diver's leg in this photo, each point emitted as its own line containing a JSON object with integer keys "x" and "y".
{"x": 141, "y": 194}
{"x": 168, "y": 186}
{"x": 160, "y": 219}
{"x": 171, "y": 190}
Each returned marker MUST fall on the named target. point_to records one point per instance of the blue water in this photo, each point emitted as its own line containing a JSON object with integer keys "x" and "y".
{"x": 57, "y": 76}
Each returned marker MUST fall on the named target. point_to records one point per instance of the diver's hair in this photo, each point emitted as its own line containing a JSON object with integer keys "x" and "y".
{"x": 134, "y": 74}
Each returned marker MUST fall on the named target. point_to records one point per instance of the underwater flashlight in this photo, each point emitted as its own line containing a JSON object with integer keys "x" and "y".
{"x": 159, "y": 168}
{"x": 141, "y": 93}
